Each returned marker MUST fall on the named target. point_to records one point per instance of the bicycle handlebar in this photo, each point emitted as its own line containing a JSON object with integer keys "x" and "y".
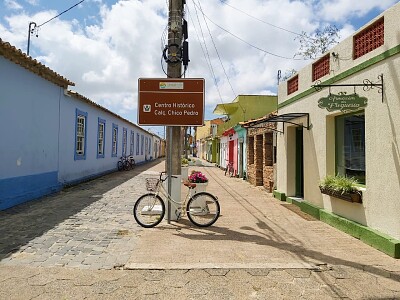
{"x": 165, "y": 172}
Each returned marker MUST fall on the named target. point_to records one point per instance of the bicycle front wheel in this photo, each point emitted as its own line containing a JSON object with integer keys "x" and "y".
{"x": 149, "y": 210}
{"x": 127, "y": 166}
{"x": 203, "y": 209}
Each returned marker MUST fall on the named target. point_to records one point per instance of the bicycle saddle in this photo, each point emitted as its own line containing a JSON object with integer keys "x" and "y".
{"x": 189, "y": 184}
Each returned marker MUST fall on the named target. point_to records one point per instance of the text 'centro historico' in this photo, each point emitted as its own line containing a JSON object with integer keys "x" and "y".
{"x": 172, "y": 102}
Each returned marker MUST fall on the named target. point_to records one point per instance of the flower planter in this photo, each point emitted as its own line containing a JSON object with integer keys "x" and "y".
{"x": 200, "y": 187}
{"x": 355, "y": 197}
{"x": 184, "y": 172}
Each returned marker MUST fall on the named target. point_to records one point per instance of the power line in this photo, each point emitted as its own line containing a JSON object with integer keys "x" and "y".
{"x": 262, "y": 21}
{"x": 244, "y": 41}
{"x": 205, "y": 56}
{"x": 60, "y": 14}
{"x": 208, "y": 59}
{"x": 216, "y": 50}
{"x": 33, "y": 27}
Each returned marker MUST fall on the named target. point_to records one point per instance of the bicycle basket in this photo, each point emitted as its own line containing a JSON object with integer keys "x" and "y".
{"x": 151, "y": 184}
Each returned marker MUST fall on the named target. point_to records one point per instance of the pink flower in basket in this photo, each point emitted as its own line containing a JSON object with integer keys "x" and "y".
{"x": 197, "y": 177}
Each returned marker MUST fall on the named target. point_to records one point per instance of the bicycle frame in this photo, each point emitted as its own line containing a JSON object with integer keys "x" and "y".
{"x": 202, "y": 209}
{"x": 163, "y": 193}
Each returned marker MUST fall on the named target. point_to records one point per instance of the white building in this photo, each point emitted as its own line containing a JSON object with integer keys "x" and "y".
{"x": 53, "y": 137}
{"x": 355, "y": 133}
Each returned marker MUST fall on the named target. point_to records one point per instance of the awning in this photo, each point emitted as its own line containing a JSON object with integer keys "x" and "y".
{"x": 226, "y": 109}
{"x": 228, "y": 132}
{"x": 284, "y": 118}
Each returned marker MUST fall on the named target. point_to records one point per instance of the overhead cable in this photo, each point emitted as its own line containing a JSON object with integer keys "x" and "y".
{"x": 60, "y": 13}
{"x": 216, "y": 50}
{"x": 267, "y": 23}
{"x": 208, "y": 55}
{"x": 244, "y": 41}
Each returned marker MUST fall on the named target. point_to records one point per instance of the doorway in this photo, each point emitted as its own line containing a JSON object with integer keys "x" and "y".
{"x": 299, "y": 192}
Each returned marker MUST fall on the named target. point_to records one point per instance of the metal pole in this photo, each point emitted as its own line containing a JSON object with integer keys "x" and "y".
{"x": 30, "y": 31}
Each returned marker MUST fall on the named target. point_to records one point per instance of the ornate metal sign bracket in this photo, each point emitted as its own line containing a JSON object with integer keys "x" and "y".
{"x": 367, "y": 85}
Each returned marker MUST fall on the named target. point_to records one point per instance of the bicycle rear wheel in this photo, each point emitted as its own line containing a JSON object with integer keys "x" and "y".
{"x": 132, "y": 161}
{"x": 120, "y": 165}
{"x": 149, "y": 210}
{"x": 203, "y": 209}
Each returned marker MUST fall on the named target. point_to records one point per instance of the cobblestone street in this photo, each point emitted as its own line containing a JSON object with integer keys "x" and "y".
{"x": 83, "y": 243}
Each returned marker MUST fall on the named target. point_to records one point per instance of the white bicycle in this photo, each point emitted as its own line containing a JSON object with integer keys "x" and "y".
{"x": 202, "y": 208}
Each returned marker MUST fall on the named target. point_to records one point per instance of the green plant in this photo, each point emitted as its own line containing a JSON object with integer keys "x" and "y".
{"x": 184, "y": 161}
{"x": 340, "y": 184}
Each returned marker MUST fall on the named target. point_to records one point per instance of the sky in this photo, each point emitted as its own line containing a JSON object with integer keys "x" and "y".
{"x": 105, "y": 46}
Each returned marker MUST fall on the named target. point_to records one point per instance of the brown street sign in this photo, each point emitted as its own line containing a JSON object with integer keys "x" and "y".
{"x": 171, "y": 102}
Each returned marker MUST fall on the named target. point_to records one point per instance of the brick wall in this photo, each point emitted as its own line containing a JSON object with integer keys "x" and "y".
{"x": 260, "y": 156}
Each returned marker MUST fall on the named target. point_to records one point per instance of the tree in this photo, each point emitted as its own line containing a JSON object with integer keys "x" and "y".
{"x": 317, "y": 43}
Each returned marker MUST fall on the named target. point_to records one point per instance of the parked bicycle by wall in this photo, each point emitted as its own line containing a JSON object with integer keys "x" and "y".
{"x": 229, "y": 169}
{"x": 126, "y": 163}
{"x": 202, "y": 208}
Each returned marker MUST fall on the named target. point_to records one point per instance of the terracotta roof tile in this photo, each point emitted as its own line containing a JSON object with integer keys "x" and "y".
{"x": 18, "y": 57}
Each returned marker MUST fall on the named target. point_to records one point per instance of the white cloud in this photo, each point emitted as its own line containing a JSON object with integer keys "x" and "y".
{"x": 341, "y": 10}
{"x": 32, "y": 2}
{"x": 105, "y": 59}
{"x": 12, "y": 4}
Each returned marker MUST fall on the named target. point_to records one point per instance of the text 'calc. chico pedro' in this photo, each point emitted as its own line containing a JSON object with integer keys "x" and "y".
{"x": 172, "y": 102}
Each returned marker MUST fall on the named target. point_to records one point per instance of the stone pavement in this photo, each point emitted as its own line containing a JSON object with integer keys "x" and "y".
{"x": 83, "y": 243}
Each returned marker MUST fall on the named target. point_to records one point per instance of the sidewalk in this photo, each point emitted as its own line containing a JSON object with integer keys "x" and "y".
{"x": 83, "y": 243}
{"x": 254, "y": 229}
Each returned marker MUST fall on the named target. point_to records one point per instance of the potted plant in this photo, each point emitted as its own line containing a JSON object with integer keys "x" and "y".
{"x": 341, "y": 187}
{"x": 200, "y": 180}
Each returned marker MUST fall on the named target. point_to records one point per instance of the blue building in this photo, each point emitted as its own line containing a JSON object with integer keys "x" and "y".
{"x": 52, "y": 136}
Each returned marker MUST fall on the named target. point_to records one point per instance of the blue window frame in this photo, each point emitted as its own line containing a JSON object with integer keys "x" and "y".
{"x": 150, "y": 140}
{"x": 114, "y": 145}
{"x": 142, "y": 145}
{"x": 132, "y": 146}
{"x": 137, "y": 143}
{"x": 80, "y": 134}
{"x": 124, "y": 140}
{"x": 101, "y": 135}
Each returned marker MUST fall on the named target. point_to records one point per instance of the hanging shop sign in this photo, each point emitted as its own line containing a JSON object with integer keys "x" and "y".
{"x": 171, "y": 102}
{"x": 342, "y": 102}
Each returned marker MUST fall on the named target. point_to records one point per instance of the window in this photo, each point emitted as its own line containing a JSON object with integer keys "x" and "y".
{"x": 369, "y": 39}
{"x": 132, "y": 146}
{"x": 100, "y": 138}
{"x": 146, "y": 146}
{"x": 321, "y": 68}
{"x": 80, "y": 135}
{"x": 350, "y": 146}
{"x": 114, "y": 140}
{"x": 268, "y": 149}
{"x": 142, "y": 145}
{"x": 137, "y": 143}
{"x": 293, "y": 85}
{"x": 124, "y": 141}
{"x": 251, "y": 150}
